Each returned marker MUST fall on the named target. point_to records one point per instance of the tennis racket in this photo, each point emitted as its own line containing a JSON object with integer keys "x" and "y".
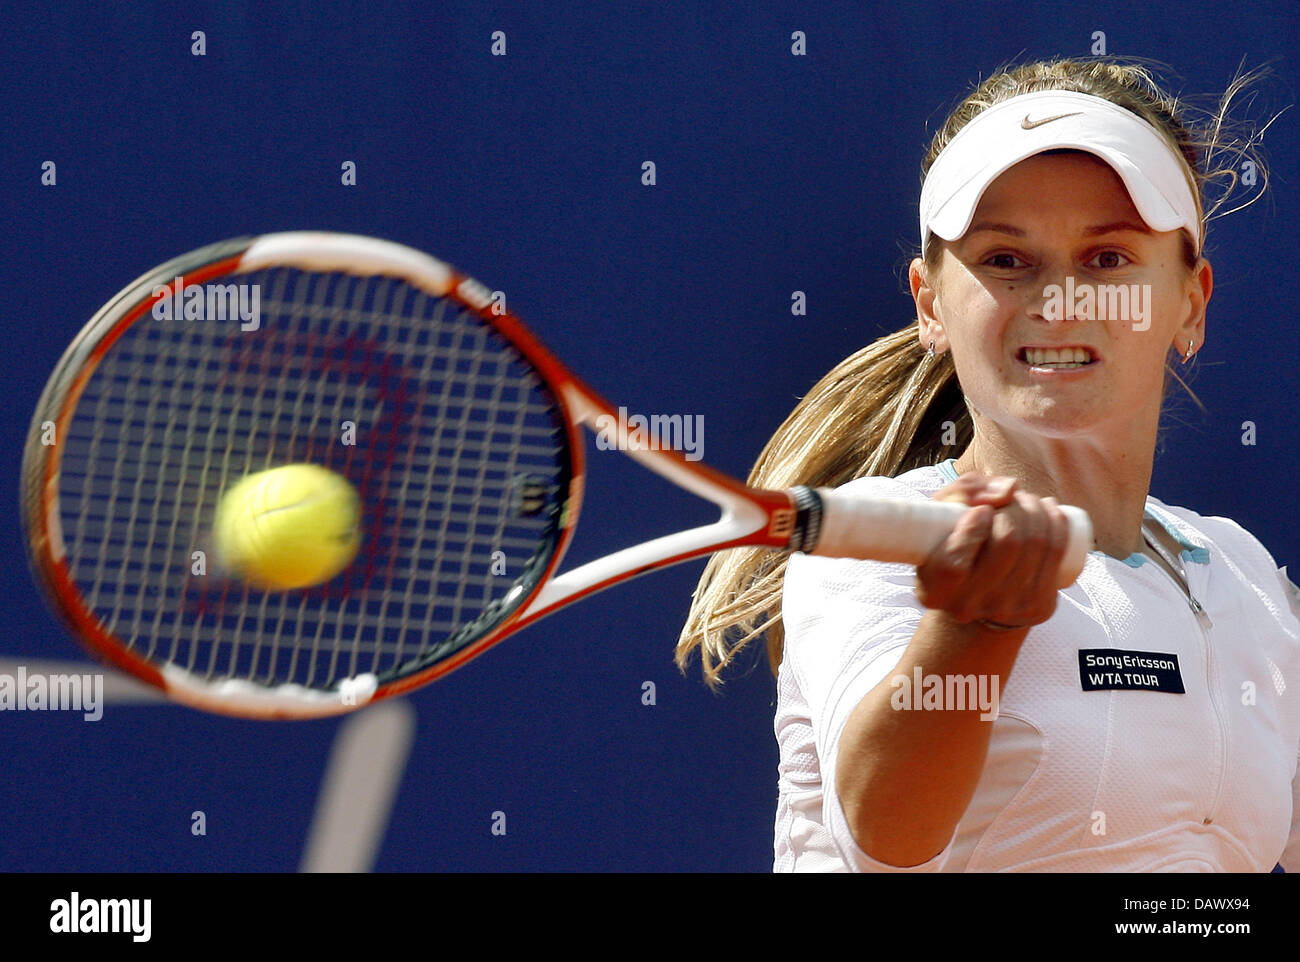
{"x": 467, "y": 451}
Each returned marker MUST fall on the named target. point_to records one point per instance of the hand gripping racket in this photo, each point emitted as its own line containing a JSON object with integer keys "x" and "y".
{"x": 461, "y": 432}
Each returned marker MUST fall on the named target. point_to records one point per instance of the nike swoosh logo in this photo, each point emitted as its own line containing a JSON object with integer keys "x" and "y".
{"x": 1028, "y": 124}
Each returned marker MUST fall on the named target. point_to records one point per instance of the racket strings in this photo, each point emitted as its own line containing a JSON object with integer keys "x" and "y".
{"x": 432, "y": 415}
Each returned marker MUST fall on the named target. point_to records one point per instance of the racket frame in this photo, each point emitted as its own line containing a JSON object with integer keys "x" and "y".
{"x": 750, "y": 517}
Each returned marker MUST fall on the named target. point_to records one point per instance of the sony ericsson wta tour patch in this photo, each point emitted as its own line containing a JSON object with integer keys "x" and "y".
{"x": 1112, "y": 669}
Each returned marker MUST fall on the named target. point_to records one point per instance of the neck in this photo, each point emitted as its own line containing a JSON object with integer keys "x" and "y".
{"x": 1110, "y": 482}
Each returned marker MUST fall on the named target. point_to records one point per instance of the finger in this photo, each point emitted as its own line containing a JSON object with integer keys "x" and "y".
{"x": 976, "y": 488}
{"x": 1024, "y": 534}
{"x": 963, "y": 488}
{"x": 944, "y": 573}
{"x": 1045, "y": 586}
{"x": 991, "y": 589}
{"x": 998, "y": 492}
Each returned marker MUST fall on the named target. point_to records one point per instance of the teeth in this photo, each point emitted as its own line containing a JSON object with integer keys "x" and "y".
{"x": 1065, "y": 357}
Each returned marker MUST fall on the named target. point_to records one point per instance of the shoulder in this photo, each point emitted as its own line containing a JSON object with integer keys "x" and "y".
{"x": 1233, "y": 542}
{"x": 919, "y": 484}
{"x": 856, "y": 594}
{"x": 808, "y": 573}
{"x": 1225, "y": 540}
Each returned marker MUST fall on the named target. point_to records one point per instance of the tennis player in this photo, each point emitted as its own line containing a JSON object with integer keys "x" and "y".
{"x": 965, "y": 714}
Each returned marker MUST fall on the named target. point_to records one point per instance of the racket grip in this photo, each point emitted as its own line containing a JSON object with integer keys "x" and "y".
{"x": 907, "y": 531}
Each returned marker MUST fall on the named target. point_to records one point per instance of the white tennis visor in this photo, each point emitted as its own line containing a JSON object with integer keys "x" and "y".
{"x": 1005, "y": 134}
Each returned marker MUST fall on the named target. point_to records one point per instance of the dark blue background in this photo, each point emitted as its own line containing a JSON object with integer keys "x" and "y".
{"x": 775, "y": 173}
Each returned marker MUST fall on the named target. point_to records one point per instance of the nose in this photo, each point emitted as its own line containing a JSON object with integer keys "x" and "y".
{"x": 1055, "y": 298}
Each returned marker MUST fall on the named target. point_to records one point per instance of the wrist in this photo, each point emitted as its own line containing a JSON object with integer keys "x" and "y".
{"x": 998, "y": 626}
{"x": 976, "y": 626}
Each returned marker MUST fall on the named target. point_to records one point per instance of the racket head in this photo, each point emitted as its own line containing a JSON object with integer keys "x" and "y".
{"x": 466, "y": 454}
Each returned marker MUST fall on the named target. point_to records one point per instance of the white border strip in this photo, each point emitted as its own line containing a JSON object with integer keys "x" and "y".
{"x": 349, "y": 254}
{"x": 246, "y": 699}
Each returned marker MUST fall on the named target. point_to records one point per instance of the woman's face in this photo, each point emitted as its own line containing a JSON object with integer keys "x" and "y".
{"x": 1053, "y": 226}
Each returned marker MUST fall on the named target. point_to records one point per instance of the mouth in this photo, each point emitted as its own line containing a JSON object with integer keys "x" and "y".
{"x": 1056, "y": 359}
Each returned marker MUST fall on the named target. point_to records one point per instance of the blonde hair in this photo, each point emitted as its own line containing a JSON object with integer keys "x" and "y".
{"x": 889, "y": 408}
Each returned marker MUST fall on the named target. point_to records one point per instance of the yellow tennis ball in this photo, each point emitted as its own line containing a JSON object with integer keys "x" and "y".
{"x": 288, "y": 527}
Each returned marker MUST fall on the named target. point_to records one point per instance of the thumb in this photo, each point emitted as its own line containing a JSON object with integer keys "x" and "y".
{"x": 968, "y": 536}
{"x": 997, "y": 492}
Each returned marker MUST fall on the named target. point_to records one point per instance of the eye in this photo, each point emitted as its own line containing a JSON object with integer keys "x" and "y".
{"x": 1109, "y": 260}
{"x": 1001, "y": 261}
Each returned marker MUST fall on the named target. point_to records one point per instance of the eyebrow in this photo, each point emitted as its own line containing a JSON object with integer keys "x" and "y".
{"x": 1113, "y": 227}
{"x": 1116, "y": 227}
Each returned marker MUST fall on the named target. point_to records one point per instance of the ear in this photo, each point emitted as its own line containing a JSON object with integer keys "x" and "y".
{"x": 1200, "y": 286}
{"x": 929, "y": 313}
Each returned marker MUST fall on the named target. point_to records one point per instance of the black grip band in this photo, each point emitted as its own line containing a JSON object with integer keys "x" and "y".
{"x": 808, "y": 519}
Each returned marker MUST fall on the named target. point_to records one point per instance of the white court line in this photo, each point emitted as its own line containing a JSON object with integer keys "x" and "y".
{"x": 361, "y": 781}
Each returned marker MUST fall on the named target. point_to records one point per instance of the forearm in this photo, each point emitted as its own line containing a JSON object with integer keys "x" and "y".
{"x": 905, "y": 777}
